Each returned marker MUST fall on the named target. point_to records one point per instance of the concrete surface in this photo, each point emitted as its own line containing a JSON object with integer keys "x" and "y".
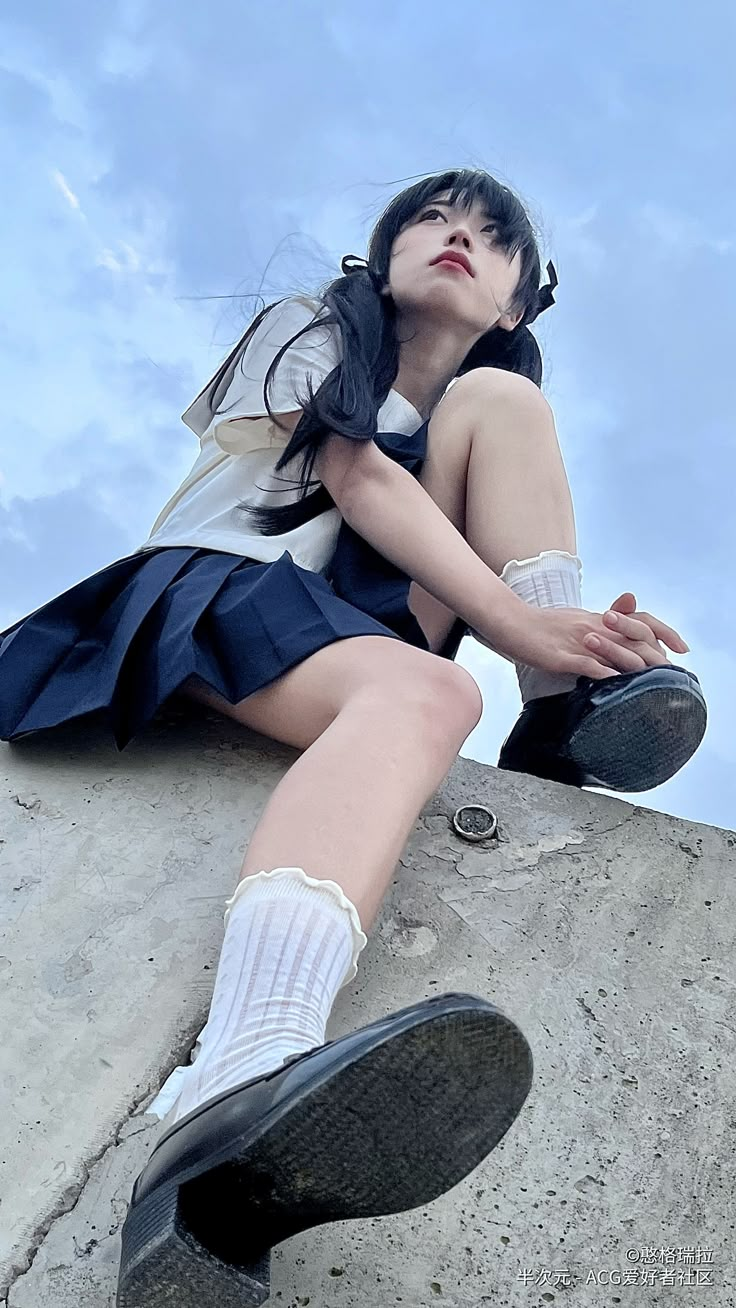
{"x": 605, "y": 930}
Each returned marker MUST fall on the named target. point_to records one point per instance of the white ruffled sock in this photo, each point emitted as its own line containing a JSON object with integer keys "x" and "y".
{"x": 551, "y": 580}
{"x": 291, "y": 943}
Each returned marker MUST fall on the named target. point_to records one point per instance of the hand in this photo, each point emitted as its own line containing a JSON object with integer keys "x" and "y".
{"x": 626, "y": 604}
{"x": 584, "y": 644}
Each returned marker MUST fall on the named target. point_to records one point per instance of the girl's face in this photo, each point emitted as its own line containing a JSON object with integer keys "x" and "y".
{"x": 447, "y": 263}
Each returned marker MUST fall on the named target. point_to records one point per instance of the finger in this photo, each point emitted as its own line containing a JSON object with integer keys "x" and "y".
{"x": 618, "y": 656}
{"x": 631, "y": 628}
{"x": 625, "y": 603}
{"x": 670, "y": 637}
{"x": 653, "y": 654}
{"x": 582, "y": 667}
{"x": 654, "y": 657}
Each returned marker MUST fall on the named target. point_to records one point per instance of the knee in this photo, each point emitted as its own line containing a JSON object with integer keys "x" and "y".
{"x": 444, "y": 698}
{"x": 487, "y": 390}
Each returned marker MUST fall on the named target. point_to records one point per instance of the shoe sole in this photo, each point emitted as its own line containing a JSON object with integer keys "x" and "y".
{"x": 401, "y": 1124}
{"x": 639, "y": 739}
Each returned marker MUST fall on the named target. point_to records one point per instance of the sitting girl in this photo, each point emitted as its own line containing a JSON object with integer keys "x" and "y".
{"x": 351, "y": 515}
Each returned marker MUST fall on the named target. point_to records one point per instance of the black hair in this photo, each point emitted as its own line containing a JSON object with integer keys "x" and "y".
{"x": 349, "y": 398}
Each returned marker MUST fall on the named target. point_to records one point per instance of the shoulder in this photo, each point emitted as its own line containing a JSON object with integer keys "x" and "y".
{"x": 311, "y": 344}
{"x": 482, "y": 384}
{"x": 238, "y": 384}
{"x": 285, "y": 318}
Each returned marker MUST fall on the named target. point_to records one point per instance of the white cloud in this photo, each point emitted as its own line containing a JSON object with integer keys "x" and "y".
{"x": 24, "y": 57}
{"x": 125, "y": 57}
{"x": 129, "y": 260}
{"x": 60, "y": 180}
{"x": 100, "y": 340}
{"x": 678, "y": 232}
{"x": 106, "y": 259}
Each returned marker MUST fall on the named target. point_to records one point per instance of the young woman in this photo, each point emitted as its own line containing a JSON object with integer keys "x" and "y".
{"x": 350, "y": 517}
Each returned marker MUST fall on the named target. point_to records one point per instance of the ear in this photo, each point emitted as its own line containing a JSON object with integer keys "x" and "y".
{"x": 508, "y": 321}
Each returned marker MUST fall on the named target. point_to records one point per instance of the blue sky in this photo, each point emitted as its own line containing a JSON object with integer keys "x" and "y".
{"x": 156, "y": 156}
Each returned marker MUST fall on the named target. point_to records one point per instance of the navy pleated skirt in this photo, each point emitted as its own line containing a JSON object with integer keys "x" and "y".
{"x": 121, "y": 642}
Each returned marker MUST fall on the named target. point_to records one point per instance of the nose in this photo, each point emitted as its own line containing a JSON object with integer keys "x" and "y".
{"x": 460, "y": 236}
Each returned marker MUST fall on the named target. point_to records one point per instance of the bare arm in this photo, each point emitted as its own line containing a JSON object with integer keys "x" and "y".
{"x": 390, "y": 509}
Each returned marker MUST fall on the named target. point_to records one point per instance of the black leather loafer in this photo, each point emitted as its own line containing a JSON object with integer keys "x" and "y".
{"x": 627, "y": 733}
{"x": 380, "y": 1121}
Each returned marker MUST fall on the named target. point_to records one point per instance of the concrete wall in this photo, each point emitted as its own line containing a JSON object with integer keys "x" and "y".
{"x": 605, "y": 930}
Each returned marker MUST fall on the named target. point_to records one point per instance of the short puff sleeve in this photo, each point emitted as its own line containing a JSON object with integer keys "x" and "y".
{"x": 241, "y": 422}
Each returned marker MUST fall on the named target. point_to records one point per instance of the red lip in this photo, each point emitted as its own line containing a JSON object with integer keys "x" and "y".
{"x": 454, "y": 256}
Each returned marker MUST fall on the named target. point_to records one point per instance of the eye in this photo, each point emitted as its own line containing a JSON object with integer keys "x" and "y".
{"x": 432, "y": 213}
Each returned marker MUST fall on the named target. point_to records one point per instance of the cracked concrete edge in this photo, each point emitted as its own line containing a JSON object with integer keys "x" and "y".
{"x": 19, "y": 1267}
{"x": 63, "y": 1207}
{"x": 33, "y": 1284}
{"x": 433, "y": 826}
{"x": 22, "y": 1268}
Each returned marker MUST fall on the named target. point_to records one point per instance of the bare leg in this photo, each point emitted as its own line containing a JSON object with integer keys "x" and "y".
{"x": 518, "y": 496}
{"x": 380, "y": 724}
{"x": 494, "y": 467}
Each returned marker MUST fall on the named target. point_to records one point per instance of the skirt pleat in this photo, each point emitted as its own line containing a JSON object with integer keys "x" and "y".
{"x": 124, "y": 640}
